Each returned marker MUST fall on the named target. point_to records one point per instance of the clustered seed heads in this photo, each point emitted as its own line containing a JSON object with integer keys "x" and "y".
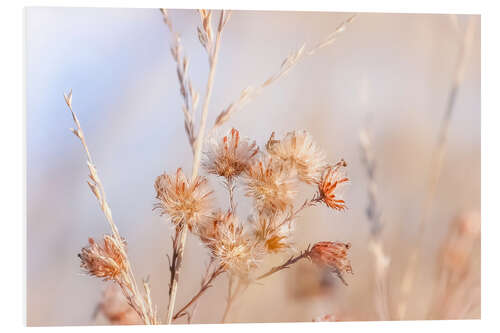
{"x": 269, "y": 178}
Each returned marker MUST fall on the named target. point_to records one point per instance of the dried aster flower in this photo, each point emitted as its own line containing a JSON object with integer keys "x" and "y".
{"x": 332, "y": 255}
{"x": 271, "y": 232}
{"x": 225, "y": 238}
{"x": 115, "y": 308}
{"x": 270, "y": 184}
{"x": 183, "y": 200}
{"x": 106, "y": 261}
{"x": 230, "y": 156}
{"x": 327, "y": 317}
{"x": 299, "y": 150}
{"x": 330, "y": 179}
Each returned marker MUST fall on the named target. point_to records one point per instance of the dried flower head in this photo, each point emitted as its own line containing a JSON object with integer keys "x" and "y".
{"x": 332, "y": 255}
{"x": 271, "y": 232}
{"x": 327, "y": 317}
{"x": 106, "y": 261}
{"x": 183, "y": 200}
{"x": 230, "y": 156}
{"x": 299, "y": 150}
{"x": 270, "y": 184}
{"x": 462, "y": 238}
{"x": 115, "y": 308}
{"x": 225, "y": 238}
{"x": 330, "y": 179}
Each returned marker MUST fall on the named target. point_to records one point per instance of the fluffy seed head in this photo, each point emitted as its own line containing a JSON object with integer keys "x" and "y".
{"x": 331, "y": 255}
{"x": 299, "y": 150}
{"x": 225, "y": 238}
{"x": 183, "y": 200}
{"x": 330, "y": 179}
{"x": 106, "y": 261}
{"x": 269, "y": 230}
{"x": 229, "y": 156}
{"x": 271, "y": 185}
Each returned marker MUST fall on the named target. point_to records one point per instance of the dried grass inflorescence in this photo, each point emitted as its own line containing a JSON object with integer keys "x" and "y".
{"x": 183, "y": 200}
{"x": 103, "y": 261}
{"x": 229, "y": 156}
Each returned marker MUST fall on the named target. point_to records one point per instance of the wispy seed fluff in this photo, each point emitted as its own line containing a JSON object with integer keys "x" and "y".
{"x": 332, "y": 177}
{"x": 225, "y": 238}
{"x": 103, "y": 261}
{"x": 271, "y": 185}
{"x": 184, "y": 201}
{"x": 229, "y": 157}
{"x": 271, "y": 232}
{"x": 299, "y": 150}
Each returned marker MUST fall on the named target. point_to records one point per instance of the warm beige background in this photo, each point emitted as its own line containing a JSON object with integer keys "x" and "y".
{"x": 397, "y": 67}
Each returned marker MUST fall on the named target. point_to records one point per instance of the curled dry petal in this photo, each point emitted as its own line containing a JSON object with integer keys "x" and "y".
{"x": 330, "y": 180}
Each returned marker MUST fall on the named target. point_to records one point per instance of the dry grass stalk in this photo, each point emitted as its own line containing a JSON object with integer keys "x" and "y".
{"x": 455, "y": 294}
{"x": 213, "y": 50}
{"x": 288, "y": 63}
{"x": 188, "y": 93}
{"x": 465, "y": 45}
{"x": 124, "y": 276}
{"x": 374, "y": 216}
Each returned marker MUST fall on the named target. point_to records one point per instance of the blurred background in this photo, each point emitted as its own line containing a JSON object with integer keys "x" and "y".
{"x": 394, "y": 69}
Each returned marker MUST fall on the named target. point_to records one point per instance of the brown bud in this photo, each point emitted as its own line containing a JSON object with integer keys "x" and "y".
{"x": 332, "y": 255}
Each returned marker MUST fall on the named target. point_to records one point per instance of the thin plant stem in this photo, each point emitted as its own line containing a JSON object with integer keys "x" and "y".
{"x": 304, "y": 254}
{"x": 436, "y": 167}
{"x": 240, "y": 289}
{"x": 229, "y": 298}
{"x": 204, "y": 281}
{"x": 198, "y": 144}
{"x": 381, "y": 259}
{"x": 97, "y": 188}
{"x": 230, "y": 185}
{"x": 307, "y": 203}
{"x": 288, "y": 63}
{"x": 207, "y": 284}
